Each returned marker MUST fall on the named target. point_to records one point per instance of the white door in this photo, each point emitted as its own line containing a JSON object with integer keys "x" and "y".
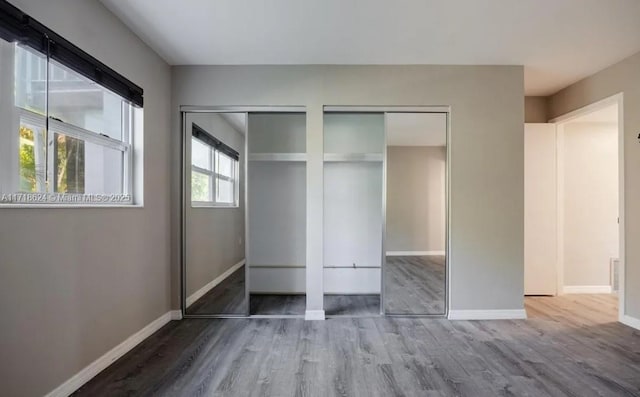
{"x": 540, "y": 209}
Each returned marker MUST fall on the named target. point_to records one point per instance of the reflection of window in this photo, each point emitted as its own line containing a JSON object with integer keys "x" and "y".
{"x": 66, "y": 120}
{"x": 214, "y": 171}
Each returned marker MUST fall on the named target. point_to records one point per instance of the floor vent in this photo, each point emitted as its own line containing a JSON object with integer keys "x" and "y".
{"x": 615, "y": 267}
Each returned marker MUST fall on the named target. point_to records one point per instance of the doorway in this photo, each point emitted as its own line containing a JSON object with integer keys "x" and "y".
{"x": 574, "y": 212}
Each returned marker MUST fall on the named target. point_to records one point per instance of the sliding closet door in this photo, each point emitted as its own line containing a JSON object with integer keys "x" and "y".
{"x": 353, "y": 175}
{"x": 416, "y": 214}
{"x": 214, "y": 214}
{"x": 277, "y": 213}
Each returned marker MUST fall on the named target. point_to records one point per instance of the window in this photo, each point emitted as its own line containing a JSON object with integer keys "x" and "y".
{"x": 66, "y": 120}
{"x": 214, "y": 171}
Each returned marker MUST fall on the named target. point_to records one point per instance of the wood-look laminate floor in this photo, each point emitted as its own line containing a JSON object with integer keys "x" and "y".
{"x": 228, "y": 297}
{"x": 415, "y": 284}
{"x": 569, "y": 346}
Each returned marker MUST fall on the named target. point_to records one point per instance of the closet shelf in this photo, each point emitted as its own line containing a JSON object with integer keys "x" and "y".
{"x": 353, "y": 157}
{"x": 277, "y": 157}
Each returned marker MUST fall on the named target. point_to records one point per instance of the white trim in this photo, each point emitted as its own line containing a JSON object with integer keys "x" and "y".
{"x": 176, "y": 314}
{"x": 311, "y": 315}
{"x": 630, "y": 321}
{"x": 87, "y": 373}
{"x": 415, "y": 253}
{"x": 211, "y": 284}
{"x": 586, "y": 289}
{"x": 17, "y": 206}
{"x": 612, "y": 100}
{"x": 517, "y": 314}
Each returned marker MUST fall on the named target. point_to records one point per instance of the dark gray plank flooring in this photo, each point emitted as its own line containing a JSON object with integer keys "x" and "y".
{"x": 415, "y": 285}
{"x": 228, "y": 297}
{"x": 262, "y": 304}
{"x": 570, "y": 346}
{"x": 352, "y": 305}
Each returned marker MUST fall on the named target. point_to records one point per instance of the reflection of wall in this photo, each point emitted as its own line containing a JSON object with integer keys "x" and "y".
{"x": 590, "y": 206}
{"x": 416, "y": 198}
{"x": 215, "y": 236}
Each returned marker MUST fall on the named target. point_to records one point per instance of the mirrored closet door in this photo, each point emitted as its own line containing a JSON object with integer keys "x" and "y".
{"x": 416, "y": 214}
{"x": 244, "y": 213}
{"x": 214, "y": 274}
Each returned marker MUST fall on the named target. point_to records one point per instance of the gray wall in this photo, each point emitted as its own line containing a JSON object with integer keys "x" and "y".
{"x": 623, "y": 77}
{"x": 77, "y": 282}
{"x": 487, "y": 123}
{"x": 535, "y": 109}
{"x": 214, "y": 236}
{"x": 416, "y": 210}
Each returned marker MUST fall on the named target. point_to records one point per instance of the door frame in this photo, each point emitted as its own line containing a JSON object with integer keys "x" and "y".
{"x": 617, "y": 99}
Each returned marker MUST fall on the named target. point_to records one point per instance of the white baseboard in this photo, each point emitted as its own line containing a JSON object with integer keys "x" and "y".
{"x": 314, "y": 315}
{"x": 87, "y": 373}
{"x": 211, "y": 284}
{"x": 586, "y": 289}
{"x": 176, "y": 314}
{"x": 415, "y": 253}
{"x": 630, "y": 321}
{"x": 517, "y": 314}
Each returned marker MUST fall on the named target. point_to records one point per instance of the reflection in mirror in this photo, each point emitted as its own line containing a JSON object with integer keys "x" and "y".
{"x": 416, "y": 213}
{"x": 215, "y": 214}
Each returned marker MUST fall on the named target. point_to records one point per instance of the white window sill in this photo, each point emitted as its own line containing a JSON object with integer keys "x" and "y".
{"x": 49, "y": 206}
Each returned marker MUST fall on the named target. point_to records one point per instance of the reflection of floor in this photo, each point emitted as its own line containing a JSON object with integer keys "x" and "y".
{"x": 278, "y": 304}
{"x": 225, "y": 298}
{"x": 352, "y": 305}
{"x": 571, "y": 345}
{"x": 415, "y": 284}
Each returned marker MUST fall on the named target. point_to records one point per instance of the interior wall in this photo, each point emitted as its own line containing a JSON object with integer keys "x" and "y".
{"x": 416, "y": 202}
{"x": 486, "y": 146}
{"x": 77, "y": 282}
{"x": 536, "y": 109}
{"x": 589, "y": 184}
{"x": 622, "y": 77}
{"x": 214, "y": 236}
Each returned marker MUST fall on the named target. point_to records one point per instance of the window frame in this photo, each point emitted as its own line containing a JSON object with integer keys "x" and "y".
{"x": 56, "y": 126}
{"x": 22, "y": 31}
{"x": 213, "y": 176}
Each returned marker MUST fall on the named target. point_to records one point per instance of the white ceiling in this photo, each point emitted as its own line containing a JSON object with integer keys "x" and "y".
{"x": 558, "y": 41}
{"x": 416, "y": 129}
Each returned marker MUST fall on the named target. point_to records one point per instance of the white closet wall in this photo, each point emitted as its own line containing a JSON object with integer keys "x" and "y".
{"x": 277, "y": 203}
{"x": 353, "y": 173}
